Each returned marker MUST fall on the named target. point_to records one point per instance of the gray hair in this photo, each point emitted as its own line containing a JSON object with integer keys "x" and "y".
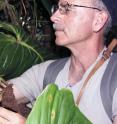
{"x": 99, "y": 4}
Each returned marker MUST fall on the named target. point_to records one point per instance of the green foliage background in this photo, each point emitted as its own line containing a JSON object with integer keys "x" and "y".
{"x": 27, "y": 28}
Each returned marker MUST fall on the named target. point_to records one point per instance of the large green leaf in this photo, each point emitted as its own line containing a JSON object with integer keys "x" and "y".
{"x": 56, "y": 106}
{"x": 17, "y": 51}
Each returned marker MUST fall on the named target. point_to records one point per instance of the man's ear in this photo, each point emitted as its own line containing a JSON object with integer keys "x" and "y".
{"x": 100, "y": 20}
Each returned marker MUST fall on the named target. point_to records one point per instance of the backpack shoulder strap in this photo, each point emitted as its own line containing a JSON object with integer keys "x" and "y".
{"x": 109, "y": 85}
{"x": 52, "y": 71}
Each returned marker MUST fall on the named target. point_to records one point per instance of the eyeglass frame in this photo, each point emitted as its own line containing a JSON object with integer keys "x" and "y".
{"x": 66, "y": 7}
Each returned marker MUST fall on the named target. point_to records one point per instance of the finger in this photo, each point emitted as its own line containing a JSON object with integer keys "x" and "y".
{"x": 4, "y": 113}
{"x": 11, "y": 117}
{"x": 3, "y": 121}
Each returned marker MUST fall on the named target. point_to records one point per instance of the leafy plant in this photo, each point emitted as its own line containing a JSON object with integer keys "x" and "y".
{"x": 56, "y": 106}
{"x": 18, "y": 51}
{"x": 23, "y": 13}
{"x": 9, "y": 10}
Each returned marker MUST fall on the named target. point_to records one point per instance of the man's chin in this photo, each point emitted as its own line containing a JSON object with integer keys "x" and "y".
{"x": 59, "y": 42}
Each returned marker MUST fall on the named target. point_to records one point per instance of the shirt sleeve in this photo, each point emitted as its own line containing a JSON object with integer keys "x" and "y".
{"x": 30, "y": 83}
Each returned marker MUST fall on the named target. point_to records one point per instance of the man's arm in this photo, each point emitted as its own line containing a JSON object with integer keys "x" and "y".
{"x": 19, "y": 96}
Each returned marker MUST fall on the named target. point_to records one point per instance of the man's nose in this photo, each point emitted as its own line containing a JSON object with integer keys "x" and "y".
{"x": 55, "y": 16}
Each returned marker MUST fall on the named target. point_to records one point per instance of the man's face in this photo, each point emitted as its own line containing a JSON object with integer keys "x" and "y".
{"x": 74, "y": 25}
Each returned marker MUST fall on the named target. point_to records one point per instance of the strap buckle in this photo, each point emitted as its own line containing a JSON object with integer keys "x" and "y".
{"x": 106, "y": 54}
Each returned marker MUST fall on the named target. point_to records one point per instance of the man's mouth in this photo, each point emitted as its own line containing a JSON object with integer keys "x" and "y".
{"x": 58, "y": 27}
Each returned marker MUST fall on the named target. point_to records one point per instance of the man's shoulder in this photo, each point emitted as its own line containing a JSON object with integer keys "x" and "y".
{"x": 48, "y": 62}
{"x": 43, "y": 64}
{"x": 53, "y": 62}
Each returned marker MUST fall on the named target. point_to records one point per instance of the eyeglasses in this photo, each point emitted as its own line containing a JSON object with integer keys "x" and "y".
{"x": 65, "y": 7}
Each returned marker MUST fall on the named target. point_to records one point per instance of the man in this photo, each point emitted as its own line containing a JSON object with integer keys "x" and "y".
{"x": 79, "y": 25}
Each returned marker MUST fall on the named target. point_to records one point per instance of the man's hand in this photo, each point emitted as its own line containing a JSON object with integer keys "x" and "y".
{"x": 9, "y": 117}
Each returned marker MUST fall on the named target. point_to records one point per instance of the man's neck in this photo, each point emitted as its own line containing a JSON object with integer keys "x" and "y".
{"x": 81, "y": 59}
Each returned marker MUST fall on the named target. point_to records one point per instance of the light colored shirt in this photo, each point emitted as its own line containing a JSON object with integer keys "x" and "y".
{"x": 31, "y": 85}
